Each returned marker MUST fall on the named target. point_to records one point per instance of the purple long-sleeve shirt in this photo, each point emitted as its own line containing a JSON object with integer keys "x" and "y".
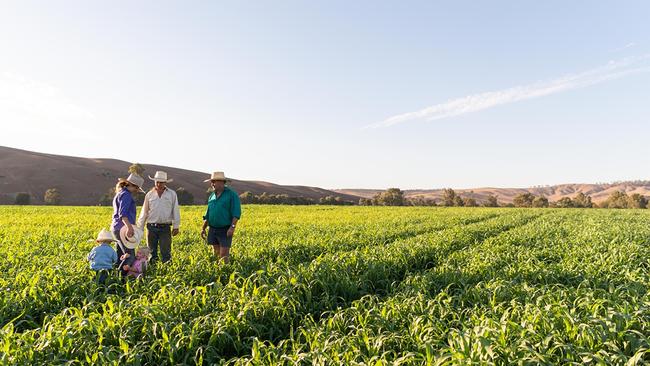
{"x": 123, "y": 206}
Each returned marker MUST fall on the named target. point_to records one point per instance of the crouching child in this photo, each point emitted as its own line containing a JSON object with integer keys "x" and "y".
{"x": 139, "y": 266}
{"x": 102, "y": 257}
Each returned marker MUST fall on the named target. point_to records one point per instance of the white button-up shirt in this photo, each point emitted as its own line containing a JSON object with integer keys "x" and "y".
{"x": 160, "y": 209}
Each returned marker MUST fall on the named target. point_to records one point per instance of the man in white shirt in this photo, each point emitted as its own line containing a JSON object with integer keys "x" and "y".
{"x": 162, "y": 215}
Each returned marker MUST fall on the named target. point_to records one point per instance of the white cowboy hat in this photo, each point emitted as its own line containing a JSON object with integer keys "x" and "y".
{"x": 132, "y": 242}
{"x": 104, "y": 235}
{"x": 217, "y": 176}
{"x": 135, "y": 180}
{"x": 161, "y": 176}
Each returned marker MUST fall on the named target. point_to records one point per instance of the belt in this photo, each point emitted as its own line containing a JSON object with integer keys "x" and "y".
{"x": 159, "y": 225}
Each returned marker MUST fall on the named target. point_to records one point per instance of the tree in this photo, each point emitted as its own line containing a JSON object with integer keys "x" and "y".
{"x": 392, "y": 197}
{"x": 448, "y": 197}
{"x": 107, "y": 198}
{"x": 365, "y": 202}
{"x": 247, "y": 197}
{"x": 469, "y": 202}
{"x": 524, "y": 200}
{"x": 185, "y": 197}
{"x": 458, "y": 201}
{"x": 637, "y": 201}
{"x": 138, "y": 197}
{"x": 327, "y": 200}
{"x": 23, "y": 198}
{"x": 420, "y": 201}
{"x": 617, "y": 199}
{"x": 540, "y": 201}
{"x": 582, "y": 200}
{"x": 264, "y": 198}
{"x": 491, "y": 201}
{"x": 136, "y": 168}
{"x": 565, "y": 202}
{"x": 52, "y": 197}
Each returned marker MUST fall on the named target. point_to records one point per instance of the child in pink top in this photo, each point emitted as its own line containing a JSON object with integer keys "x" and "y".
{"x": 138, "y": 267}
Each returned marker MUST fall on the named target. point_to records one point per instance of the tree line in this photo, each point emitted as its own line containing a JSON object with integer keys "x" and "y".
{"x": 390, "y": 197}
{"x": 284, "y": 199}
{"x": 396, "y": 197}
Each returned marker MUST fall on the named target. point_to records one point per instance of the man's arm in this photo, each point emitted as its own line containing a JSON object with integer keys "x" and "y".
{"x": 205, "y": 225}
{"x": 235, "y": 213}
{"x": 205, "y": 218}
{"x": 176, "y": 212}
{"x": 144, "y": 212}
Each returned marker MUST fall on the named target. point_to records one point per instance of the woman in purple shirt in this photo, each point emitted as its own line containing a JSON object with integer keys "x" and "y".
{"x": 124, "y": 211}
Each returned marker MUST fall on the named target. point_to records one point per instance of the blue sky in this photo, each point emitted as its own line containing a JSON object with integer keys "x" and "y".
{"x": 336, "y": 94}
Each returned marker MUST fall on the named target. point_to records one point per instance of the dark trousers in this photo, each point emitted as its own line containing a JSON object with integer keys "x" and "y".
{"x": 101, "y": 276}
{"x": 121, "y": 249}
{"x": 160, "y": 236}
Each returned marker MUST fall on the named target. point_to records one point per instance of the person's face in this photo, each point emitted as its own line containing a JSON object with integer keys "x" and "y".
{"x": 132, "y": 188}
{"x": 218, "y": 185}
{"x": 160, "y": 185}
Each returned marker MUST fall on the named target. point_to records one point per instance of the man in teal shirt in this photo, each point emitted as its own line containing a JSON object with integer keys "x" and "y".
{"x": 221, "y": 216}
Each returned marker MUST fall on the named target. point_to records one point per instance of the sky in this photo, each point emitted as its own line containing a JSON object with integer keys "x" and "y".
{"x": 336, "y": 94}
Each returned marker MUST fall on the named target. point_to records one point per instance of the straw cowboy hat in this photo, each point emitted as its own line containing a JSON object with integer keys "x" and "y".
{"x": 104, "y": 235}
{"x": 161, "y": 176}
{"x": 217, "y": 176}
{"x": 134, "y": 179}
{"x": 132, "y": 242}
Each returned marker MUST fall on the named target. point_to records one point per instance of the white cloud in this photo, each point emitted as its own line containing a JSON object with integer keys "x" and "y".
{"x": 477, "y": 102}
{"x": 30, "y": 106}
{"x": 628, "y": 45}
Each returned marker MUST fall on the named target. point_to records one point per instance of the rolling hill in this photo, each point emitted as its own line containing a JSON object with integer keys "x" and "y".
{"x": 83, "y": 181}
{"x": 598, "y": 192}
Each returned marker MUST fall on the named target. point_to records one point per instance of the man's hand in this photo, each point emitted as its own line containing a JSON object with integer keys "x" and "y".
{"x": 203, "y": 234}
{"x": 174, "y": 232}
{"x": 230, "y": 232}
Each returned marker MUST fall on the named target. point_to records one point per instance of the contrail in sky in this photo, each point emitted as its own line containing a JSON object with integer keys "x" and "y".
{"x": 476, "y": 102}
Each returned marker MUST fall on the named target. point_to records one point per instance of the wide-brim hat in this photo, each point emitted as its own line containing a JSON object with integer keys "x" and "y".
{"x": 134, "y": 241}
{"x": 135, "y": 180}
{"x": 105, "y": 235}
{"x": 217, "y": 176}
{"x": 160, "y": 176}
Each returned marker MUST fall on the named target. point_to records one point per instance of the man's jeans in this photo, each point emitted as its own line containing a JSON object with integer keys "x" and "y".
{"x": 160, "y": 235}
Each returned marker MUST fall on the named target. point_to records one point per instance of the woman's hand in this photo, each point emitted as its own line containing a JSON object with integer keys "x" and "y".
{"x": 129, "y": 231}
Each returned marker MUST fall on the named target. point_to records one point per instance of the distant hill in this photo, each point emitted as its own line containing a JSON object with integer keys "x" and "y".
{"x": 598, "y": 192}
{"x": 83, "y": 181}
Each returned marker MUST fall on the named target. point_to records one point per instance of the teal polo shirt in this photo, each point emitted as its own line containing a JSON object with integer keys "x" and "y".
{"x": 221, "y": 211}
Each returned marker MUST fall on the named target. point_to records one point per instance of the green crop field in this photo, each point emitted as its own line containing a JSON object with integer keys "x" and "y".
{"x": 337, "y": 285}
